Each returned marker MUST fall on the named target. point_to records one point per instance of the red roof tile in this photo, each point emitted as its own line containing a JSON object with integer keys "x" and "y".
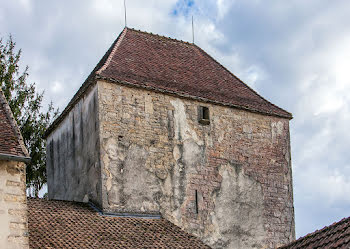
{"x": 11, "y": 142}
{"x": 62, "y": 224}
{"x": 336, "y": 236}
{"x": 174, "y": 67}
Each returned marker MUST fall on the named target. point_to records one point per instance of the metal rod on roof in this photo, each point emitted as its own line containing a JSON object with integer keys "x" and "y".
{"x": 192, "y": 31}
{"x": 125, "y": 12}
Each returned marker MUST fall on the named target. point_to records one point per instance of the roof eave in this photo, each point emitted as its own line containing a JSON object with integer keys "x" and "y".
{"x": 8, "y": 157}
{"x": 188, "y": 96}
{"x": 96, "y": 77}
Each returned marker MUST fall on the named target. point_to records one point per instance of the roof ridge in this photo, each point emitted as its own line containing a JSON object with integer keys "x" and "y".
{"x": 312, "y": 234}
{"x": 241, "y": 81}
{"x": 111, "y": 54}
{"x": 162, "y": 36}
{"x": 13, "y": 124}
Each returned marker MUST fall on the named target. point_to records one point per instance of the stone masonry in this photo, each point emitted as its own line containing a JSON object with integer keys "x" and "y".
{"x": 13, "y": 207}
{"x": 155, "y": 157}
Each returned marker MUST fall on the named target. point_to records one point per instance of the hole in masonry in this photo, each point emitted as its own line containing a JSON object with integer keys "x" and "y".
{"x": 196, "y": 202}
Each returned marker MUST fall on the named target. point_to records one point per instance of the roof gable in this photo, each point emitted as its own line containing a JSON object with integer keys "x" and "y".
{"x": 11, "y": 141}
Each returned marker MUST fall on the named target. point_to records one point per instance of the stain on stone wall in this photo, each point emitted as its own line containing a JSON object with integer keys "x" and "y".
{"x": 228, "y": 182}
{"x": 73, "y": 166}
{"x": 237, "y": 216}
{"x": 130, "y": 188}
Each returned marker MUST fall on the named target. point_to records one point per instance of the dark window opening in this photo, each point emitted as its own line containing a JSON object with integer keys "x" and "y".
{"x": 204, "y": 115}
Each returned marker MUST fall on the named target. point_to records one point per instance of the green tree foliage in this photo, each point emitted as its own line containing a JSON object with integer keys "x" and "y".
{"x": 26, "y": 105}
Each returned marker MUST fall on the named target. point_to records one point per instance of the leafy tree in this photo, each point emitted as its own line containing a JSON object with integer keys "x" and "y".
{"x": 26, "y": 105}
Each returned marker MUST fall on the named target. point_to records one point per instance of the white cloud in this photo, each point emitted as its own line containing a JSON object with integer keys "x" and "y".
{"x": 57, "y": 87}
{"x": 26, "y": 4}
{"x": 320, "y": 53}
{"x": 328, "y": 183}
{"x": 223, "y": 7}
{"x": 108, "y": 9}
{"x": 326, "y": 81}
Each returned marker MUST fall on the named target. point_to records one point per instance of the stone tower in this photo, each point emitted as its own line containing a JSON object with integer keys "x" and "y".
{"x": 160, "y": 127}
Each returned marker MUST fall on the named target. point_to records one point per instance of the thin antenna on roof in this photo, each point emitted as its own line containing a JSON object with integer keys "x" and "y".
{"x": 125, "y": 13}
{"x": 192, "y": 31}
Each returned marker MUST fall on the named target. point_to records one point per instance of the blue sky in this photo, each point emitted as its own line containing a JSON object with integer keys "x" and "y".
{"x": 184, "y": 8}
{"x": 294, "y": 53}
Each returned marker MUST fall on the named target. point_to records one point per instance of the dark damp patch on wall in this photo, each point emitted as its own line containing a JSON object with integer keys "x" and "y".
{"x": 73, "y": 154}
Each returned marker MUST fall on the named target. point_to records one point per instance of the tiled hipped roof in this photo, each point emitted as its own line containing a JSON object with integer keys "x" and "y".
{"x": 162, "y": 64}
{"x": 335, "y": 236}
{"x": 11, "y": 142}
{"x": 62, "y": 224}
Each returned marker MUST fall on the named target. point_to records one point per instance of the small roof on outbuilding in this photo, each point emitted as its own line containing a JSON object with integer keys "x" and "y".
{"x": 11, "y": 141}
{"x": 63, "y": 224}
{"x": 335, "y": 236}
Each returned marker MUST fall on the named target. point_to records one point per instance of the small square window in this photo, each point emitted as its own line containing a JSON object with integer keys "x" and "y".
{"x": 203, "y": 115}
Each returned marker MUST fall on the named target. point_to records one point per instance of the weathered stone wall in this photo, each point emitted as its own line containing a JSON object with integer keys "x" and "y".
{"x": 73, "y": 168}
{"x": 156, "y": 157}
{"x": 13, "y": 207}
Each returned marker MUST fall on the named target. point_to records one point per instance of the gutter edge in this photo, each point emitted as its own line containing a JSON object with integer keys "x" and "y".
{"x": 9, "y": 157}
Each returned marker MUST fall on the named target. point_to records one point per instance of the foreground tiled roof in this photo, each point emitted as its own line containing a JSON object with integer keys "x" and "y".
{"x": 336, "y": 236}
{"x": 175, "y": 67}
{"x": 11, "y": 143}
{"x": 61, "y": 224}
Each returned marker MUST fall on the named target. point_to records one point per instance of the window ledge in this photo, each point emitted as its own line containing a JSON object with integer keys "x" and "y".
{"x": 204, "y": 121}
